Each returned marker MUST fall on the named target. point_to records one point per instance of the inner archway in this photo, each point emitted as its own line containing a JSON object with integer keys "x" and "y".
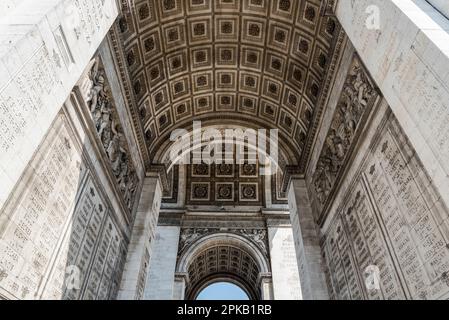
{"x": 223, "y": 257}
{"x": 222, "y": 290}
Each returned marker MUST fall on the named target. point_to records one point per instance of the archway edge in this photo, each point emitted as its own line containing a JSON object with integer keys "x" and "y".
{"x": 222, "y": 238}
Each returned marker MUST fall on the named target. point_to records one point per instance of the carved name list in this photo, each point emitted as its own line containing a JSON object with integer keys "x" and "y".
{"x": 392, "y": 218}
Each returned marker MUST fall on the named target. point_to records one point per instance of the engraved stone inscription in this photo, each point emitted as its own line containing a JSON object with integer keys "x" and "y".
{"x": 37, "y": 212}
{"x": 57, "y": 236}
{"x": 393, "y": 219}
{"x": 406, "y": 199}
{"x": 357, "y": 97}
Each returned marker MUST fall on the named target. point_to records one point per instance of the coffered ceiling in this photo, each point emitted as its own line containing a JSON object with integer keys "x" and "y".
{"x": 259, "y": 61}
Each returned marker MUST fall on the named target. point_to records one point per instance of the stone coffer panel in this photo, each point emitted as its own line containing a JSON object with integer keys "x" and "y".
{"x": 390, "y": 225}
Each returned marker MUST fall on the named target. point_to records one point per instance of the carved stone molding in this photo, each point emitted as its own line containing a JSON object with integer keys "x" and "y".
{"x": 117, "y": 49}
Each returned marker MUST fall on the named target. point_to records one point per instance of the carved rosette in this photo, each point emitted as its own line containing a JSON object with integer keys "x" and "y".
{"x": 225, "y": 170}
{"x": 189, "y": 235}
{"x": 358, "y": 96}
{"x": 110, "y": 132}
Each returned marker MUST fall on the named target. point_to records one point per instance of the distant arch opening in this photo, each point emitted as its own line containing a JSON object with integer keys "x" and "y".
{"x": 222, "y": 290}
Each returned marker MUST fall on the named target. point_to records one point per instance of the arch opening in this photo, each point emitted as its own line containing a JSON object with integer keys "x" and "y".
{"x": 223, "y": 258}
{"x": 222, "y": 290}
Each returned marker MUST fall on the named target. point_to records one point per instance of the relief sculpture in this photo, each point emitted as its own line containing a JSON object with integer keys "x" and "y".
{"x": 357, "y": 96}
{"x": 110, "y": 133}
{"x": 190, "y": 235}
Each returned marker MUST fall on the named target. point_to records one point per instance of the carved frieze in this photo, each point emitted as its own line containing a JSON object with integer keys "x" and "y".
{"x": 110, "y": 133}
{"x": 358, "y": 96}
{"x": 191, "y": 235}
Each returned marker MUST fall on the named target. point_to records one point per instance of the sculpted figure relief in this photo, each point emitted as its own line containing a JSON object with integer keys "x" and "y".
{"x": 355, "y": 99}
{"x": 110, "y": 133}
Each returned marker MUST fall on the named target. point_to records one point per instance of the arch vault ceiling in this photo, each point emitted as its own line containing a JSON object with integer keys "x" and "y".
{"x": 217, "y": 59}
{"x": 223, "y": 260}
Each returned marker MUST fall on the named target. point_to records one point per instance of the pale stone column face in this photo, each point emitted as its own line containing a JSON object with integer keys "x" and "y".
{"x": 50, "y": 44}
{"x": 266, "y": 285}
{"x": 284, "y": 267}
{"x": 142, "y": 241}
{"x": 306, "y": 238}
{"x": 160, "y": 282}
{"x": 179, "y": 288}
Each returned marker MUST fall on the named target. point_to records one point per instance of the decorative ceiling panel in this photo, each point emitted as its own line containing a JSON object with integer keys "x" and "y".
{"x": 191, "y": 59}
{"x": 224, "y": 184}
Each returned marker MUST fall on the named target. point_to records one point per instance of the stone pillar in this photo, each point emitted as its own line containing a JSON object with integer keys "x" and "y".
{"x": 307, "y": 243}
{"x": 284, "y": 267}
{"x": 141, "y": 243}
{"x": 266, "y": 287}
{"x": 43, "y": 54}
{"x": 161, "y": 277}
{"x": 179, "y": 289}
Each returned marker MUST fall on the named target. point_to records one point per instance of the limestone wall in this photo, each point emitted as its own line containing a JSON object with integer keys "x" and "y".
{"x": 387, "y": 218}
{"x": 7, "y": 6}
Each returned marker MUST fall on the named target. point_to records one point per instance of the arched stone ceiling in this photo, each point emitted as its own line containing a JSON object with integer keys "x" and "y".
{"x": 221, "y": 261}
{"x": 216, "y": 59}
{"x": 286, "y": 151}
